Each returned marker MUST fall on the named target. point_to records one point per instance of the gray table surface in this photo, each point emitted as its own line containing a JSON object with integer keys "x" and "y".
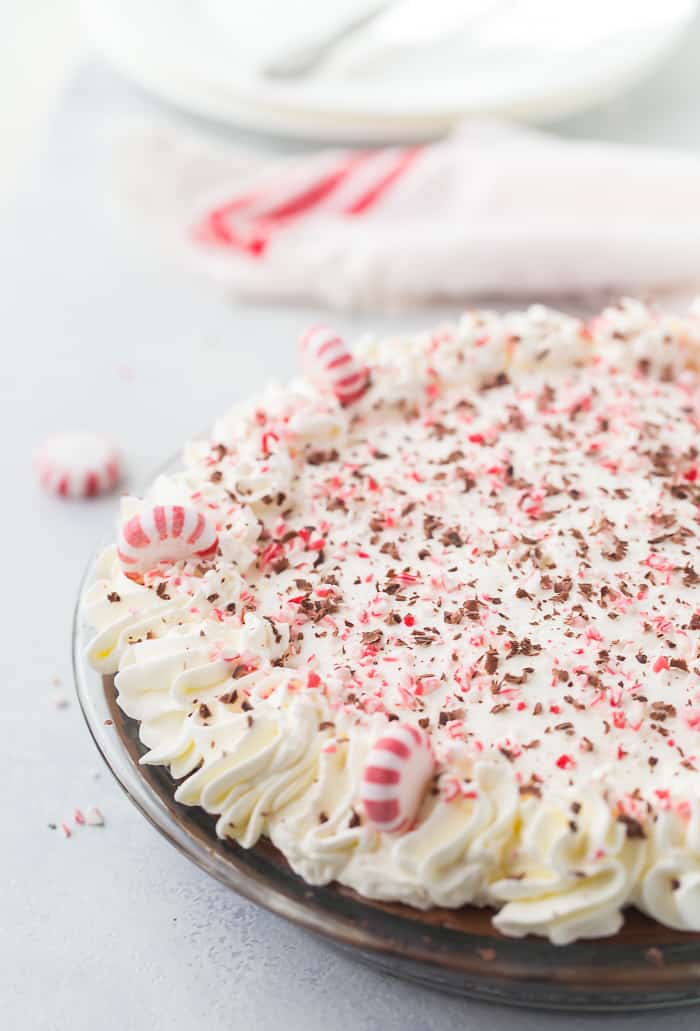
{"x": 112, "y": 928}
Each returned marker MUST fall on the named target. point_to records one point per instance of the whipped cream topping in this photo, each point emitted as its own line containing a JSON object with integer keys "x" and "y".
{"x": 498, "y": 542}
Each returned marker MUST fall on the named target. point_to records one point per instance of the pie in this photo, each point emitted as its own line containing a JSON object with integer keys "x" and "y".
{"x": 437, "y": 634}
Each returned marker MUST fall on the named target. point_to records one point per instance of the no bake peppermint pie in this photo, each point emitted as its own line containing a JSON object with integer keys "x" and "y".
{"x": 428, "y": 617}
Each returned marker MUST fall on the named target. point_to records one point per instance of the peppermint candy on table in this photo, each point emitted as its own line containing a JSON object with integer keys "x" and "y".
{"x": 164, "y": 533}
{"x": 330, "y": 364}
{"x": 78, "y": 465}
{"x": 397, "y": 772}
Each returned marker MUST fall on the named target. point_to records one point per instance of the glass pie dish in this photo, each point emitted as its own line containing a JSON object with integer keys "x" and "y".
{"x": 645, "y": 966}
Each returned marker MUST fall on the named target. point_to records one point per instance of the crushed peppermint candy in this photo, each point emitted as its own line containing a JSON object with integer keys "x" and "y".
{"x": 539, "y": 602}
{"x": 90, "y": 817}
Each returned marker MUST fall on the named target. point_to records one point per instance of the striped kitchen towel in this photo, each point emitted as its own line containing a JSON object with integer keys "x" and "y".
{"x": 493, "y": 210}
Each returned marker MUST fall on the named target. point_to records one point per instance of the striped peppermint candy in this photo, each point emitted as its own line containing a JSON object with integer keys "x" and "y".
{"x": 164, "y": 533}
{"x": 330, "y": 364}
{"x": 78, "y": 465}
{"x": 397, "y": 772}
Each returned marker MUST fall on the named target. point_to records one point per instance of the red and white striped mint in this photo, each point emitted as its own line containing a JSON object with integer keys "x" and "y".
{"x": 78, "y": 465}
{"x": 330, "y": 364}
{"x": 397, "y": 772}
{"x": 164, "y": 533}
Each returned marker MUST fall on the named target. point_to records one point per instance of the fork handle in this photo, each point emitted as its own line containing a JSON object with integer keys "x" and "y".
{"x": 303, "y": 60}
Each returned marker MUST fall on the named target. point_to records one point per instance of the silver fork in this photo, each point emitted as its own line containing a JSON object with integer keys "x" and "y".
{"x": 303, "y": 60}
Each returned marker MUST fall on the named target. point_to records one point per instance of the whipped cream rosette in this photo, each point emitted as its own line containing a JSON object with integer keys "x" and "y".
{"x": 492, "y": 549}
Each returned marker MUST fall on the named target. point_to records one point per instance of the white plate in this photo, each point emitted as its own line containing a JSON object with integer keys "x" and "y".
{"x": 529, "y": 59}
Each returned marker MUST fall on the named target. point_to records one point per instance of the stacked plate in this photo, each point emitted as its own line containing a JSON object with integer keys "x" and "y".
{"x": 415, "y": 68}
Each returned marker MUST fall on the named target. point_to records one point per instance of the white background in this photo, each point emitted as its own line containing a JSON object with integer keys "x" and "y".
{"x": 111, "y": 929}
{"x": 39, "y": 45}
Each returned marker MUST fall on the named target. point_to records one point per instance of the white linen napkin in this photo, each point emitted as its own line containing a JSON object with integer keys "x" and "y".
{"x": 493, "y": 210}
